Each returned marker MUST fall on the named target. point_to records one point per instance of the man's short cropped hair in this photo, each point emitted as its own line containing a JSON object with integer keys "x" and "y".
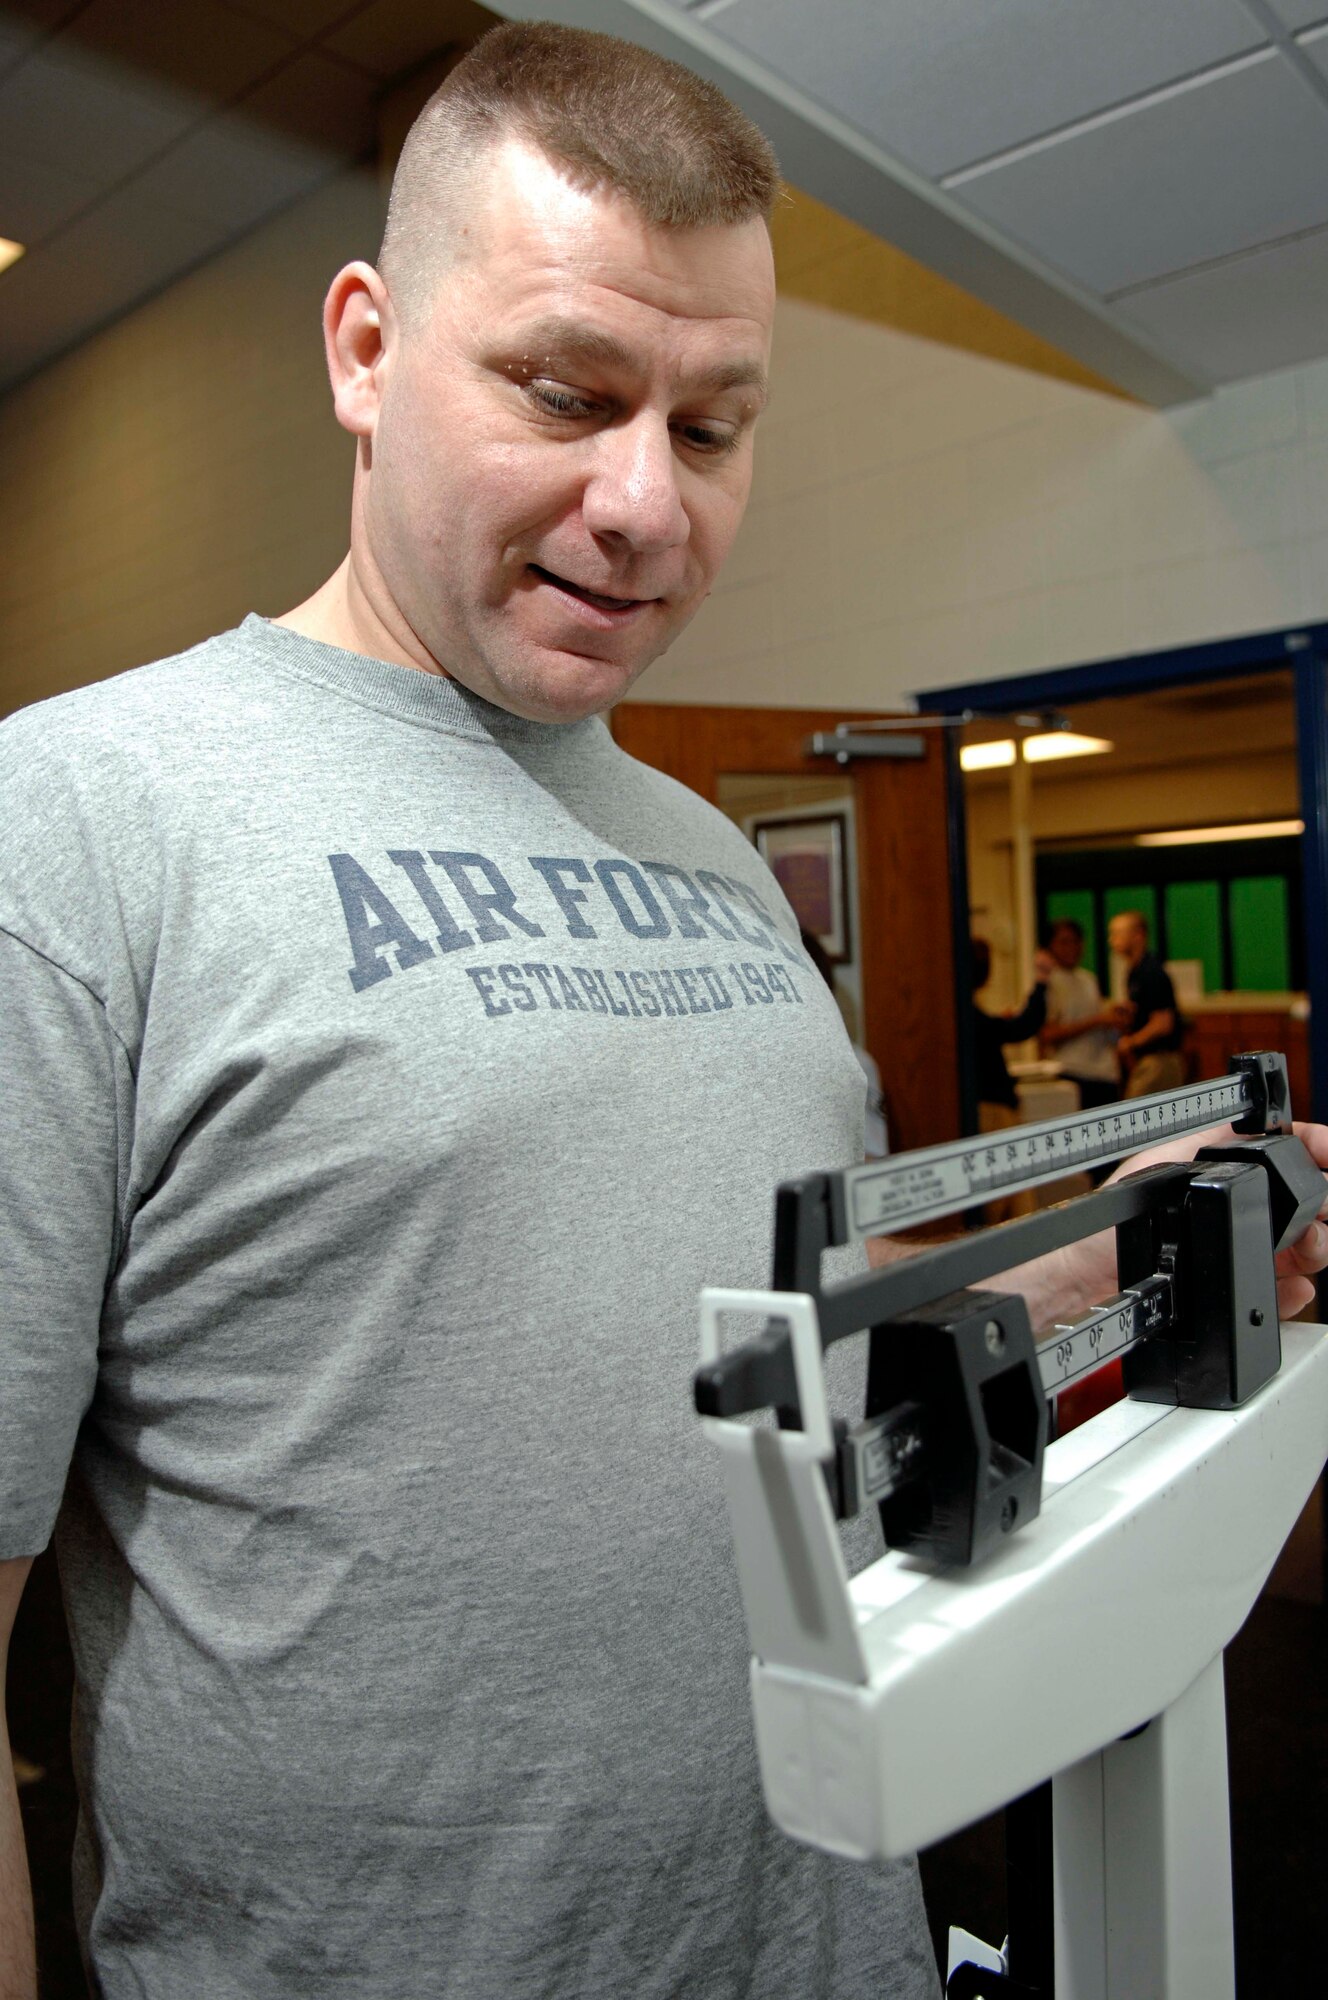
{"x": 1065, "y": 924}
{"x": 614, "y": 117}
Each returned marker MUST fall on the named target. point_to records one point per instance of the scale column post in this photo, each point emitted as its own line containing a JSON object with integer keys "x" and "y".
{"x": 1141, "y": 1840}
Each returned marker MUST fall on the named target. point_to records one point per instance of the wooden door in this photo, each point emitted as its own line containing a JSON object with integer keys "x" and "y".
{"x": 908, "y": 975}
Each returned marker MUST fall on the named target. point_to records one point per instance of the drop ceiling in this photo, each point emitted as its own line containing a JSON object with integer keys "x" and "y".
{"x": 140, "y": 137}
{"x": 1142, "y": 182}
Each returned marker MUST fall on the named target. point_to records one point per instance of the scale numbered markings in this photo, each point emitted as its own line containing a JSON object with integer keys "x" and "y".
{"x": 1073, "y": 1351}
{"x": 917, "y": 1187}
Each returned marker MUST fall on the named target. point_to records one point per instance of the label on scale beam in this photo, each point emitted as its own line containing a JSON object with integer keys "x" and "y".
{"x": 917, "y": 1187}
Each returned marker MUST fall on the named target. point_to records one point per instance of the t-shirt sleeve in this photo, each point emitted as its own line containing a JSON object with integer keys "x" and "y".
{"x": 64, "y": 1079}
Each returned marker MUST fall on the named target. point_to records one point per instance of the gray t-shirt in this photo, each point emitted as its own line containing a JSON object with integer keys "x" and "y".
{"x": 383, "y": 1076}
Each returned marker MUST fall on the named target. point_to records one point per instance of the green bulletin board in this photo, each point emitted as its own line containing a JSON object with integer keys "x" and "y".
{"x": 1142, "y": 898}
{"x": 1194, "y": 927}
{"x": 1260, "y": 936}
{"x": 1204, "y": 902}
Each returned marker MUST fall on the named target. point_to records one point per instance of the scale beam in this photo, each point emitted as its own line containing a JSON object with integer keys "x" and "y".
{"x": 919, "y": 1187}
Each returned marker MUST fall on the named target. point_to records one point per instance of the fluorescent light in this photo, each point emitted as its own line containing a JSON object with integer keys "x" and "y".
{"x": 9, "y": 253}
{"x": 1195, "y": 836}
{"x": 986, "y": 756}
{"x": 1039, "y": 749}
{"x": 1063, "y": 743}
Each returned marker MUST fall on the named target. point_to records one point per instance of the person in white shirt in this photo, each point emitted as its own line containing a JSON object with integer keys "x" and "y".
{"x": 1080, "y": 1030}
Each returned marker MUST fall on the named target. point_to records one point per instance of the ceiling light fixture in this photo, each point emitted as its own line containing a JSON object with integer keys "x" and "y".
{"x": 1063, "y": 743}
{"x": 986, "y": 756}
{"x": 1043, "y": 748}
{"x": 1198, "y": 836}
{"x": 9, "y": 252}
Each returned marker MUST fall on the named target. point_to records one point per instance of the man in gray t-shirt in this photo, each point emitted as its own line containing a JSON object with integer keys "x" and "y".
{"x": 388, "y": 1060}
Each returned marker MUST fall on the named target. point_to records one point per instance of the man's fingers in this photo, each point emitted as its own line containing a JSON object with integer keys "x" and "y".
{"x": 1309, "y": 1253}
{"x": 1314, "y": 1138}
{"x": 1293, "y": 1295}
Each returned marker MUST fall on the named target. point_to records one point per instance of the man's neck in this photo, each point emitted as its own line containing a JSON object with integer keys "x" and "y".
{"x": 340, "y": 613}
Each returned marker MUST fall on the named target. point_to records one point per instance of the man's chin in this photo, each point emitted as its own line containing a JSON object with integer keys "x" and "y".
{"x": 559, "y": 685}
{"x": 551, "y": 676}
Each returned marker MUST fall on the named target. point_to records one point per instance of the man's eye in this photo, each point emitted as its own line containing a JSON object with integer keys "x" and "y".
{"x": 557, "y": 401}
{"x": 709, "y": 438}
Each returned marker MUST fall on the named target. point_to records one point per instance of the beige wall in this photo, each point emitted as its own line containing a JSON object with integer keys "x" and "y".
{"x": 183, "y": 467}
{"x": 921, "y": 515}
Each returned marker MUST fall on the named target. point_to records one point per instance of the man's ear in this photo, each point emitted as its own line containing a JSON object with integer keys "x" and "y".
{"x": 356, "y": 321}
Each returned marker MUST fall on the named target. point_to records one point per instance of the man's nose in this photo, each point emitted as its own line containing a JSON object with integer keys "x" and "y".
{"x": 632, "y": 496}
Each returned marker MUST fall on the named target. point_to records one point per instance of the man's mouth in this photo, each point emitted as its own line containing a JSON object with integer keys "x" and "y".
{"x": 600, "y": 601}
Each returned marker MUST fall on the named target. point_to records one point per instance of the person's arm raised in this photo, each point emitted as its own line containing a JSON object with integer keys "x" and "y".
{"x": 18, "y": 1958}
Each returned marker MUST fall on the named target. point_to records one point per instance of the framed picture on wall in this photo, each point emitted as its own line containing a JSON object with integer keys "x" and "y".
{"x": 809, "y": 860}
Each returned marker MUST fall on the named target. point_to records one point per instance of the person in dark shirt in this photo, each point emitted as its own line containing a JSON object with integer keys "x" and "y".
{"x": 1149, "y": 1046}
{"x": 998, "y": 1103}
{"x": 995, "y": 1031}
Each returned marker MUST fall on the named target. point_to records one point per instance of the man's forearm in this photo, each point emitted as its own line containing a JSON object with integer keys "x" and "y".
{"x": 1058, "y": 1287}
{"x": 18, "y": 1958}
{"x": 1155, "y": 1029}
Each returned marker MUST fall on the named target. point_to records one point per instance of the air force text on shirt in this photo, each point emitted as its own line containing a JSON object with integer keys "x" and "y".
{"x": 412, "y": 906}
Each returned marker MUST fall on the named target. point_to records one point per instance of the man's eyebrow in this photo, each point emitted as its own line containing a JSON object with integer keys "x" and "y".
{"x": 556, "y": 339}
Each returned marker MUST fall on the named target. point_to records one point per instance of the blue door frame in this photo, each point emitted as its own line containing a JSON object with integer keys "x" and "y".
{"x": 1305, "y": 650}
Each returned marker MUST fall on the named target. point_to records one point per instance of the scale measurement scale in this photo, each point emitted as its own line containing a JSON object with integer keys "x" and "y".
{"x": 1067, "y": 1352}
{"x": 919, "y": 1187}
{"x": 883, "y": 1453}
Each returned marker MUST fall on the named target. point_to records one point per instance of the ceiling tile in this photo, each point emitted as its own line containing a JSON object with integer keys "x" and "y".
{"x": 232, "y": 173}
{"x": 1299, "y": 13}
{"x": 1259, "y": 312}
{"x": 15, "y": 42}
{"x": 942, "y": 83}
{"x": 317, "y": 99}
{"x": 36, "y": 198}
{"x": 1222, "y": 166}
{"x": 36, "y": 17}
{"x": 61, "y": 101}
{"x": 1316, "y": 48}
{"x": 304, "y": 19}
{"x": 204, "y": 47}
{"x": 105, "y": 262}
{"x": 392, "y": 36}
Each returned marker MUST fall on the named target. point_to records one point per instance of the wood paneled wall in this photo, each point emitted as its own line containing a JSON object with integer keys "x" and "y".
{"x": 904, "y": 884}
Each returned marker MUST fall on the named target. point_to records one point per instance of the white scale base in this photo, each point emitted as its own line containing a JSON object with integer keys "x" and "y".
{"x": 897, "y": 1706}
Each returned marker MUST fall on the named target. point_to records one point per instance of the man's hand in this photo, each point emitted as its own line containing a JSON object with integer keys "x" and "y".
{"x": 1068, "y": 1282}
{"x": 1296, "y": 1264}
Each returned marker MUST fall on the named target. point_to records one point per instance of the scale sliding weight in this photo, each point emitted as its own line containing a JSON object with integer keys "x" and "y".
{"x": 1045, "y": 1611}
